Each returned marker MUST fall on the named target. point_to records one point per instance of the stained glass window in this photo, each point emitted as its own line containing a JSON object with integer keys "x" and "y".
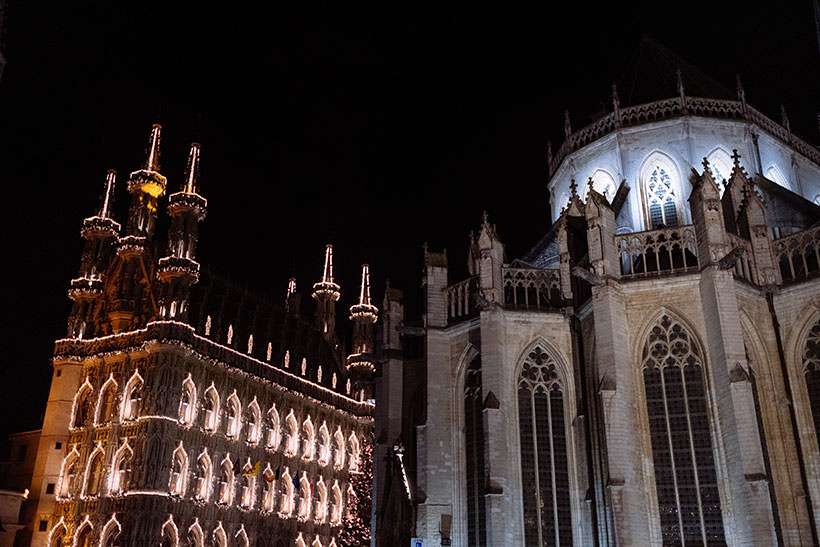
{"x": 544, "y": 465}
{"x": 685, "y": 478}
{"x": 661, "y": 199}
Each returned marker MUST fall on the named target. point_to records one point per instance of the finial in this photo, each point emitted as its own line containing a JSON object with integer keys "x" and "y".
{"x": 152, "y": 163}
{"x": 364, "y": 294}
{"x": 567, "y": 125}
{"x": 706, "y": 167}
{"x": 679, "y": 78}
{"x": 108, "y": 197}
{"x": 291, "y": 287}
{"x": 573, "y": 187}
{"x": 549, "y": 151}
{"x": 485, "y": 216}
{"x": 616, "y": 102}
{"x": 784, "y": 118}
{"x": 741, "y": 93}
{"x": 192, "y": 171}
{"x": 327, "y": 273}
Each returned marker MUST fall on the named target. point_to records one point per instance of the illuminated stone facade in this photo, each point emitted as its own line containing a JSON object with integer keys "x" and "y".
{"x": 648, "y": 372}
{"x": 185, "y": 411}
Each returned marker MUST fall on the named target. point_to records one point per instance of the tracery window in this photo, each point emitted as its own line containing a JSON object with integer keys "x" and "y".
{"x": 83, "y": 538}
{"x": 685, "y": 478}
{"x": 57, "y": 535}
{"x": 661, "y": 199}
{"x": 544, "y": 466}
{"x": 106, "y": 404}
{"x": 474, "y": 446}
{"x": 187, "y": 402}
{"x": 111, "y": 533}
{"x": 811, "y": 369}
{"x": 94, "y": 472}
{"x": 210, "y": 407}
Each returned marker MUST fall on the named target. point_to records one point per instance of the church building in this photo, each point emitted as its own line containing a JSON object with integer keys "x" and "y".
{"x": 649, "y": 373}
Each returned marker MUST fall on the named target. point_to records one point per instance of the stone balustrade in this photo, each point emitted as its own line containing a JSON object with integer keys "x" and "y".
{"x": 798, "y": 255}
{"x": 655, "y": 252}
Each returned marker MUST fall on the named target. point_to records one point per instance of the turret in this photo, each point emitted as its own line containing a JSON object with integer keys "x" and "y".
{"x": 292, "y": 299}
{"x": 326, "y": 293}
{"x": 178, "y": 270}
{"x": 491, "y": 261}
{"x": 146, "y": 186}
{"x": 100, "y": 232}
{"x": 360, "y": 364}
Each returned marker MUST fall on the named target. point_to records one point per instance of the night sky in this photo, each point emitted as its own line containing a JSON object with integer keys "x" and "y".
{"x": 373, "y": 128}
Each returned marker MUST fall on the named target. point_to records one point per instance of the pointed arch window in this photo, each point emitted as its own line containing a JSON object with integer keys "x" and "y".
{"x": 187, "y": 402}
{"x": 474, "y": 447}
{"x": 336, "y": 509}
{"x": 69, "y": 474}
{"x": 242, "y": 537}
{"x": 179, "y": 471}
{"x": 305, "y": 497}
{"x": 544, "y": 465}
{"x": 220, "y": 538}
{"x": 202, "y": 488}
{"x": 210, "y": 407}
{"x": 170, "y": 533}
{"x": 353, "y": 441}
{"x": 269, "y": 496}
{"x": 226, "y": 483}
{"x": 234, "y": 414}
{"x": 106, "y": 404}
{"x": 684, "y": 465}
{"x": 321, "y": 501}
{"x": 660, "y": 190}
{"x": 811, "y": 370}
{"x": 83, "y": 537}
{"x": 309, "y": 448}
{"x": 248, "y": 485}
{"x": 82, "y": 405}
{"x": 111, "y": 533}
{"x": 121, "y": 472}
{"x": 324, "y": 445}
{"x": 196, "y": 537}
{"x": 339, "y": 442}
{"x": 254, "y": 423}
{"x": 94, "y": 472}
{"x": 57, "y": 535}
{"x": 132, "y": 397}
{"x": 274, "y": 429}
{"x": 286, "y": 508}
{"x": 293, "y": 434}
{"x": 721, "y": 165}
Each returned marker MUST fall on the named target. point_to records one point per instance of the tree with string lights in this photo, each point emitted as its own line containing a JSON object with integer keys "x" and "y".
{"x": 356, "y": 524}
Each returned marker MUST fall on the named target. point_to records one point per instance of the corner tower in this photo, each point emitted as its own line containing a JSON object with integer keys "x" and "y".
{"x": 360, "y": 362}
{"x": 177, "y": 270}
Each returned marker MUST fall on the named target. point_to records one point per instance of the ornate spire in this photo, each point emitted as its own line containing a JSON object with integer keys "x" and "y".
{"x": 326, "y": 293}
{"x": 291, "y": 287}
{"x": 152, "y": 162}
{"x": 108, "y": 195}
{"x": 741, "y": 93}
{"x": 573, "y": 188}
{"x": 364, "y": 314}
{"x": 364, "y": 295}
{"x": 784, "y": 119}
{"x": 616, "y": 104}
{"x": 567, "y": 125}
{"x": 192, "y": 170}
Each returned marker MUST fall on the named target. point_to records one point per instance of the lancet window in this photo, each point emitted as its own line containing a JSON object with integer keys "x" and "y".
{"x": 111, "y": 533}
{"x": 293, "y": 434}
{"x": 106, "y": 404}
{"x": 254, "y": 423}
{"x": 268, "y": 498}
{"x": 310, "y": 439}
{"x": 179, "y": 471}
{"x": 287, "y": 494}
{"x": 83, "y": 537}
{"x": 94, "y": 473}
{"x": 187, "y": 403}
{"x": 339, "y": 457}
{"x": 121, "y": 472}
{"x": 132, "y": 397}
{"x": 248, "y": 485}
{"x": 57, "y": 535}
{"x": 82, "y": 405}
{"x": 544, "y": 465}
{"x": 336, "y": 510}
{"x": 202, "y": 488}
{"x": 220, "y": 538}
{"x": 274, "y": 429}
{"x": 685, "y": 478}
{"x": 305, "y": 497}
{"x": 661, "y": 194}
{"x": 321, "y": 501}
{"x": 474, "y": 447}
{"x": 811, "y": 369}
{"x": 210, "y": 408}
{"x": 70, "y": 472}
{"x": 196, "y": 537}
{"x": 353, "y": 441}
{"x": 226, "y": 484}
{"x": 170, "y": 533}
{"x": 234, "y": 414}
{"x": 324, "y": 445}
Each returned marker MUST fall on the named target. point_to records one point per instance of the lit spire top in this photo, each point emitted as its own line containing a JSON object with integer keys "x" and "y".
{"x": 291, "y": 287}
{"x": 326, "y": 286}
{"x": 192, "y": 170}
{"x": 108, "y": 196}
{"x": 327, "y": 273}
{"x": 364, "y": 295}
{"x": 152, "y": 163}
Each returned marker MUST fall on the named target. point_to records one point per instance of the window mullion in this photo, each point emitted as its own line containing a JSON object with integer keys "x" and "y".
{"x": 671, "y": 452}
{"x": 552, "y": 471}
{"x": 535, "y": 464}
{"x": 694, "y": 459}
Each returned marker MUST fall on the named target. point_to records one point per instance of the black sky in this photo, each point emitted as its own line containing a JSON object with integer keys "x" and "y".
{"x": 374, "y": 128}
